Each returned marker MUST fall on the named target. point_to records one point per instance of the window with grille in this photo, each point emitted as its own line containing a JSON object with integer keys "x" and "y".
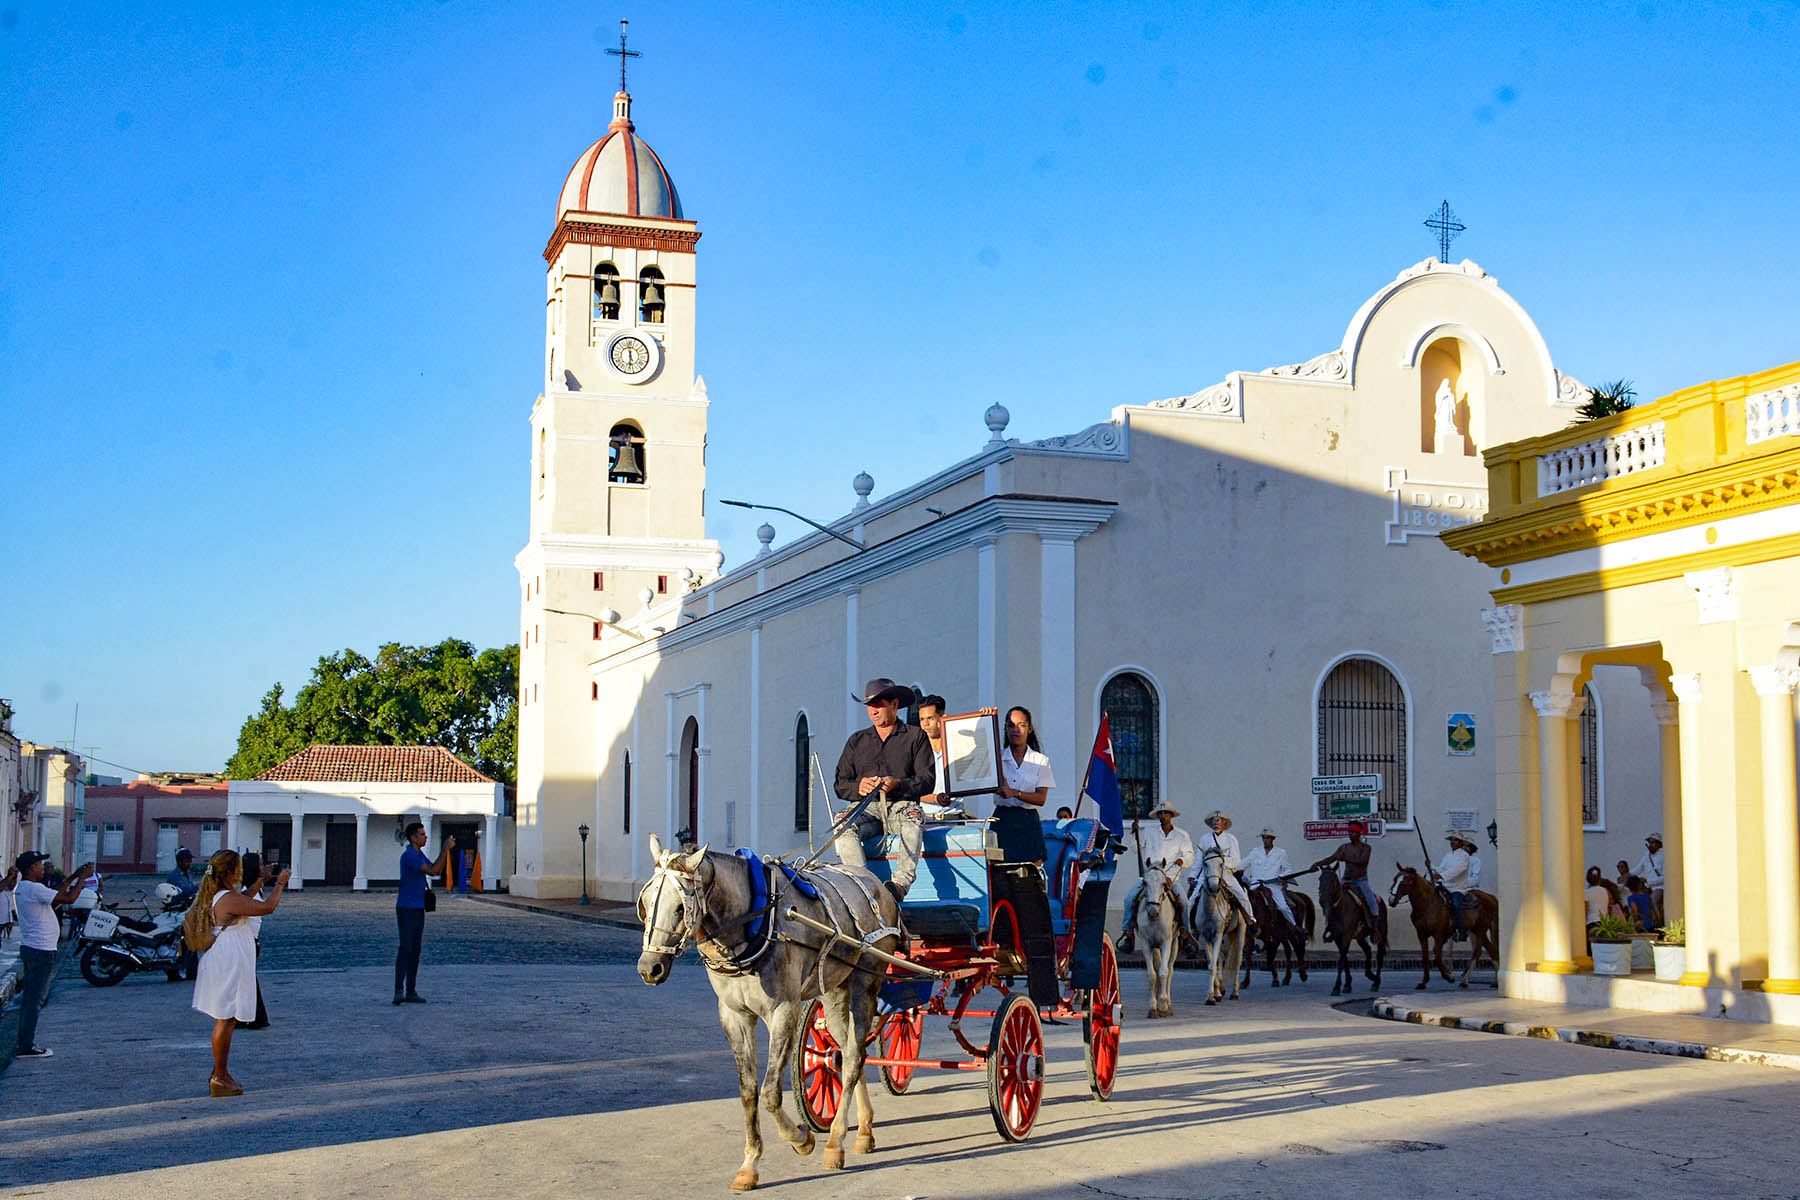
{"x": 1592, "y": 815}
{"x": 1130, "y": 705}
{"x": 1362, "y": 730}
{"x": 802, "y": 773}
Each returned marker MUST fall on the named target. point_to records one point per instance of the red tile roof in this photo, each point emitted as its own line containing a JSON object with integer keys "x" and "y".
{"x": 375, "y": 764}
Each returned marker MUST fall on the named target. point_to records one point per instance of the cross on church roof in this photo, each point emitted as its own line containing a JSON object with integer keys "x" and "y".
{"x": 1443, "y": 221}
{"x": 623, "y": 53}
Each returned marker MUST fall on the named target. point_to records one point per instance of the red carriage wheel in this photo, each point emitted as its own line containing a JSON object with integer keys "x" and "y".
{"x": 901, "y": 1035}
{"x": 818, "y": 1069}
{"x": 1100, "y": 1028}
{"x": 1015, "y": 1067}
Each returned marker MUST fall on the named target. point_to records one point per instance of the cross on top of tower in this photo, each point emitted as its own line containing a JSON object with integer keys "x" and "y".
{"x": 622, "y": 53}
{"x": 1443, "y": 222}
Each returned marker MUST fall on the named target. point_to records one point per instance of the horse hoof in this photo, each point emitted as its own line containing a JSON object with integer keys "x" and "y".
{"x": 865, "y": 1143}
{"x": 805, "y": 1148}
{"x": 1212, "y": 1000}
{"x": 1463, "y": 986}
{"x": 1419, "y": 987}
{"x": 833, "y": 1158}
{"x": 1234, "y": 995}
{"x": 743, "y": 1181}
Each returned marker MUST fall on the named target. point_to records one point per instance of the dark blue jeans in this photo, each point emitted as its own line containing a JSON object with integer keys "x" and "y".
{"x": 412, "y": 939}
{"x": 37, "y": 964}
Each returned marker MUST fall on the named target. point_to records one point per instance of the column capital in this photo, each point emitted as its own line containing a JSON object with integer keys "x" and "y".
{"x": 1774, "y": 680}
{"x": 1506, "y": 626}
{"x": 1664, "y": 711}
{"x": 1717, "y": 595}
{"x": 1556, "y": 703}
{"x": 1686, "y": 688}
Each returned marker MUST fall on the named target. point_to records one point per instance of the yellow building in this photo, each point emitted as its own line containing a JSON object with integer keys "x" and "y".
{"x": 1665, "y": 539}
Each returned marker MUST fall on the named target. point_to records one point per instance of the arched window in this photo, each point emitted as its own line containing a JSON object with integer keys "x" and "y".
{"x": 690, "y": 776}
{"x": 543, "y": 446}
{"x": 650, "y": 296}
{"x": 625, "y": 460}
{"x": 1130, "y": 705}
{"x": 1593, "y": 815}
{"x": 1362, "y": 730}
{"x": 606, "y": 292}
{"x": 802, "y": 774}
{"x": 625, "y": 799}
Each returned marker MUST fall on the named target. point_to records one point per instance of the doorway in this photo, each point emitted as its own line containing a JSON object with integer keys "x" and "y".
{"x": 168, "y": 841}
{"x": 278, "y": 842}
{"x": 340, "y": 855}
{"x": 459, "y": 871}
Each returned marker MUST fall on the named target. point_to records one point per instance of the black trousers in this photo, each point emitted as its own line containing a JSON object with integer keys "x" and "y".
{"x": 412, "y": 939}
{"x": 37, "y": 964}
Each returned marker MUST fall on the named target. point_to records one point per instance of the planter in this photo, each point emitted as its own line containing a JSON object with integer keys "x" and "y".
{"x": 1612, "y": 958}
{"x": 1671, "y": 961}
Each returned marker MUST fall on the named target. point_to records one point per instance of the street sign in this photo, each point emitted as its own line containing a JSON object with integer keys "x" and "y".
{"x": 1349, "y": 806}
{"x": 1320, "y": 831}
{"x": 1345, "y": 785}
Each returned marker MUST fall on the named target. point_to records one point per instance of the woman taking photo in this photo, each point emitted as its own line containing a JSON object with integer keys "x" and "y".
{"x": 258, "y": 878}
{"x": 1025, "y": 783}
{"x": 226, "y": 987}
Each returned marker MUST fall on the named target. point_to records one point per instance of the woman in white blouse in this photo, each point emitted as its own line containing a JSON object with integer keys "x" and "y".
{"x": 1025, "y": 783}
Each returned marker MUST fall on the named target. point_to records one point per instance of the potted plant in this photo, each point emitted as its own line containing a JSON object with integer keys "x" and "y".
{"x": 1670, "y": 951}
{"x": 1610, "y": 940}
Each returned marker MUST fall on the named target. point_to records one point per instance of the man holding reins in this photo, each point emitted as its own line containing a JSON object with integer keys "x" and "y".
{"x": 1170, "y": 848}
{"x": 1264, "y": 868}
{"x": 893, "y": 763}
{"x": 1452, "y": 877}
{"x": 1217, "y": 840}
{"x": 1354, "y": 856}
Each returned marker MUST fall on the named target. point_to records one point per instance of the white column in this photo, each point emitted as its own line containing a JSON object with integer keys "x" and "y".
{"x": 704, "y": 753}
{"x": 296, "y": 851}
{"x": 361, "y": 882}
{"x": 854, "y": 717}
{"x": 669, "y": 756}
{"x": 1693, "y": 867}
{"x": 491, "y": 850}
{"x": 753, "y": 835}
{"x": 1056, "y": 699}
{"x": 1781, "y": 826}
{"x": 1563, "y": 911}
{"x": 231, "y": 833}
{"x": 986, "y": 624}
{"x": 1669, "y": 751}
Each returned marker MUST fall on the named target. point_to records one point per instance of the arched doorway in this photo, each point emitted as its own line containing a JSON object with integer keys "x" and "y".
{"x": 690, "y": 775}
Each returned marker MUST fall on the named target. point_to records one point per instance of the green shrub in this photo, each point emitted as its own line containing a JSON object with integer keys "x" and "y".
{"x": 1674, "y": 933}
{"x": 1612, "y": 928}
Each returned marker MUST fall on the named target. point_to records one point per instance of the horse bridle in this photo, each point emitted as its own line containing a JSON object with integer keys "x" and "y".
{"x": 693, "y": 925}
{"x": 692, "y": 912}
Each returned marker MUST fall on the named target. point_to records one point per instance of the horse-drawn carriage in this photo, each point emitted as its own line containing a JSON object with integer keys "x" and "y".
{"x": 975, "y": 924}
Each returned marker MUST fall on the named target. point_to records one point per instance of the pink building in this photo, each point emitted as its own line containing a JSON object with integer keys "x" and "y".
{"x": 135, "y": 828}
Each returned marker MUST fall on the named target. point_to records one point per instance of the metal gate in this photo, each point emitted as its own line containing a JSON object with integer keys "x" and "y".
{"x": 1362, "y": 728}
{"x": 1129, "y": 703}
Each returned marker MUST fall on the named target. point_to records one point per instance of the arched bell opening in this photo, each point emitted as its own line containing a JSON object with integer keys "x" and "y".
{"x": 625, "y": 456}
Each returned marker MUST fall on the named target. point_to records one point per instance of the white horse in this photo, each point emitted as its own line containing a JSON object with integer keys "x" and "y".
{"x": 1221, "y": 923}
{"x": 764, "y": 966}
{"x": 1156, "y": 922}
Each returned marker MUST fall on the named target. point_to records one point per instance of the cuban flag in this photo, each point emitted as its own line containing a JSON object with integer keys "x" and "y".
{"x": 1103, "y": 781}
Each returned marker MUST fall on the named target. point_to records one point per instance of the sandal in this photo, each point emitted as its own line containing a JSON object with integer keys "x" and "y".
{"x": 224, "y": 1089}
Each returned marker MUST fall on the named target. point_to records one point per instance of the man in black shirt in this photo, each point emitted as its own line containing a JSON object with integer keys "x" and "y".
{"x": 894, "y": 760}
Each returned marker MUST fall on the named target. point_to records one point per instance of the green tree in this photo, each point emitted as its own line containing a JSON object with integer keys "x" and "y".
{"x": 444, "y": 695}
{"x": 1606, "y": 400}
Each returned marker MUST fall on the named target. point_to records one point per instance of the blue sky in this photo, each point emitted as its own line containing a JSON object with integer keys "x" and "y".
{"x": 271, "y": 280}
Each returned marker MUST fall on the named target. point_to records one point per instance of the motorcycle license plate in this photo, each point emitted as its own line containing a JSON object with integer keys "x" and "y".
{"x": 100, "y": 924}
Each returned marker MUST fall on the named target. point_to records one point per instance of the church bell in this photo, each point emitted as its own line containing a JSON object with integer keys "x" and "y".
{"x": 628, "y": 463}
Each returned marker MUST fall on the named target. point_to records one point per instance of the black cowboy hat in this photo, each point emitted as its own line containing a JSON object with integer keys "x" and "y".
{"x": 882, "y": 689}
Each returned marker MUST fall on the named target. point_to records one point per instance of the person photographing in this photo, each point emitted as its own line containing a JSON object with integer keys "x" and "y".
{"x": 218, "y": 925}
{"x": 410, "y": 907}
{"x": 39, "y": 932}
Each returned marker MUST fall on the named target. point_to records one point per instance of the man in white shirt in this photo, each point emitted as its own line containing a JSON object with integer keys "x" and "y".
{"x": 39, "y": 932}
{"x": 1264, "y": 867}
{"x": 1474, "y": 866}
{"x": 1168, "y": 847}
{"x": 931, "y": 724}
{"x": 1217, "y": 840}
{"x": 1651, "y": 868}
{"x": 1452, "y": 875}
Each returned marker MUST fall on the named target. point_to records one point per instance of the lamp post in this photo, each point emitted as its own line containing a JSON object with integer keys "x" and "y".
{"x": 583, "y": 831}
{"x": 848, "y": 541}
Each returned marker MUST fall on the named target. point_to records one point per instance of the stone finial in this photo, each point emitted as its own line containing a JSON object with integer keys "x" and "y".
{"x": 997, "y": 419}
{"x": 765, "y": 533}
{"x": 864, "y": 483}
{"x": 646, "y": 596}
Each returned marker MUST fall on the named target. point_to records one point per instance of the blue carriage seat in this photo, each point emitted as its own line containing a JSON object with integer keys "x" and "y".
{"x": 949, "y": 896}
{"x": 1065, "y": 842}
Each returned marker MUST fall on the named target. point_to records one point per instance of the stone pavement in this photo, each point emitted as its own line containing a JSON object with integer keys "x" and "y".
{"x": 568, "y": 1076}
{"x": 1679, "y": 1034}
{"x": 612, "y": 913}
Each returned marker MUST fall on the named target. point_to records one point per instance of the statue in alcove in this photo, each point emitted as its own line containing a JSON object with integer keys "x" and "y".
{"x": 1447, "y": 439}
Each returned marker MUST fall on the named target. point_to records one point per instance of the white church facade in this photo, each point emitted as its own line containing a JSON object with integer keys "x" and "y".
{"x": 1247, "y": 579}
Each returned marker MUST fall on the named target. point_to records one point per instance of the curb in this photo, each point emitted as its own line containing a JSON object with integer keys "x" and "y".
{"x": 565, "y": 914}
{"x": 1389, "y": 1010}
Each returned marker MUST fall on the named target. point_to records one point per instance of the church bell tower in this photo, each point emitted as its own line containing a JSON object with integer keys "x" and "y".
{"x": 618, "y": 471}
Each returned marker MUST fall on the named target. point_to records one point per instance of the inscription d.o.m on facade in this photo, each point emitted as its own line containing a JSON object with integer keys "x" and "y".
{"x": 1423, "y": 508}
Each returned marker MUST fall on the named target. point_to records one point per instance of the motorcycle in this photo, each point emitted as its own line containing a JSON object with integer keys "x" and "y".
{"x": 114, "y": 946}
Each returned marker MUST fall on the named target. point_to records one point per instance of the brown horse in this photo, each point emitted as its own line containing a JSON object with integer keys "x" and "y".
{"x": 1433, "y": 922}
{"x": 1347, "y": 921}
{"x": 1275, "y": 932}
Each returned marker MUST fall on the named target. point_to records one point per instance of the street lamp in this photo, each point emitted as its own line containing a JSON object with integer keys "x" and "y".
{"x": 1493, "y": 833}
{"x": 583, "y": 831}
{"x": 848, "y": 541}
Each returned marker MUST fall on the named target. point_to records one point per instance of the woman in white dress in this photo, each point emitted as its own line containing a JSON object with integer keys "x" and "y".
{"x": 1025, "y": 783}
{"x": 226, "y": 987}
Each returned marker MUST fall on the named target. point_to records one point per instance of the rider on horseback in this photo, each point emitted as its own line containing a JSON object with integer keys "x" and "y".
{"x": 1264, "y": 867}
{"x": 1170, "y": 848}
{"x": 1216, "y": 841}
{"x": 1452, "y": 878}
{"x": 1354, "y": 855}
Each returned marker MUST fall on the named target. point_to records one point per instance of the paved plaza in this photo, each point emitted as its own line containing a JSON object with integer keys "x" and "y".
{"x": 543, "y": 1066}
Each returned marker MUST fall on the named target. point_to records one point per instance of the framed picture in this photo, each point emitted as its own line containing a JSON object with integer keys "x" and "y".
{"x": 972, "y": 753}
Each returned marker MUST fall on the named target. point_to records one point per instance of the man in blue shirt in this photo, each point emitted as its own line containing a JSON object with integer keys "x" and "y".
{"x": 409, "y": 909}
{"x": 184, "y": 859}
